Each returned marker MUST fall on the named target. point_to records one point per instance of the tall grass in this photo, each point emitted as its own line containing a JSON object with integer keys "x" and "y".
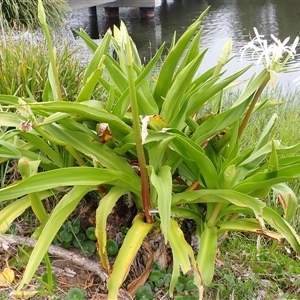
{"x": 24, "y": 67}
{"x": 23, "y": 13}
{"x": 287, "y": 125}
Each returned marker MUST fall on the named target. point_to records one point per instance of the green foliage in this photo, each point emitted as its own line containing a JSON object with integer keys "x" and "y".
{"x": 70, "y": 235}
{"x": 112, "y": 247}
{"x": 23, "y": 13}
{"x": 248, "y": 273}
{"x": 90, "y": 233}
{"x": 76, "y": 294}
{"x": 154, "y": 139}
{"x": 31, "y": 71}
{"x": 144, "y": 293}
{"x": 159, "y": 280}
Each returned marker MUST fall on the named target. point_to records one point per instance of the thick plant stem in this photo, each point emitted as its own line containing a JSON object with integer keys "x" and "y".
{"x": 139, "y": 146}
{"x": 211, "y": 221}
{"x": 252, "y": 105}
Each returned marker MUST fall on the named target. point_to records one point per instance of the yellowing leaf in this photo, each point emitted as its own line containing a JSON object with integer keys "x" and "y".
{"x": 23, "y": 295}
{"x": 6, "y": 277}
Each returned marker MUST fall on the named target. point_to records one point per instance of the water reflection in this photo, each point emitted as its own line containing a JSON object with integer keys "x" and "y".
{"x": 226, "y": 18}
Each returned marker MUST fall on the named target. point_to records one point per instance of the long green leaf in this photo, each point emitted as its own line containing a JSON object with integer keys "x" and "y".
{"x": 124, "y": 101}
{"x": 175, "y": 96}
{"x": 8, "y": 119}
{"x": 174, "y": 56}
{"x": 265, "y": 179}
{"x": 287, "y": 199}
{"x": 87, "y": 39}
{"x": 209, "y": 90}
{"x": 58, "y": 216}
{"x": 91, "y": 148}
{"x": 191, "y": 151}
{"x": 92, "y": 113}
{"x": 163, "y": 185}
{"x": 89, "y": 86}
{"x": 220, "y": 195}
{"x": 283, "y": 227}
{"x": 219, "y": 122}
{"x": 104, "y": 209}
{"x": 127, "y": 252}
{"x": 13, "y": 210}
{"x": 207, "y": 254}
{"x": 97, "y": 60}
{"x": 81, "y": 176}
{"x": 37, "y": 142}
{"x": 183, "y": 255}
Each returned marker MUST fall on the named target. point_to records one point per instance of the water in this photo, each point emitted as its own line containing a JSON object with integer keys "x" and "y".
{"x": 226, "y": 19}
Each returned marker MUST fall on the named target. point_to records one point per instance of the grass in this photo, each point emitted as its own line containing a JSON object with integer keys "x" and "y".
{"x": 288, "y": 111}
{"x": 31, "y": 71}
{"x": 243, "y": 272}
{"x": 23, "y": 13}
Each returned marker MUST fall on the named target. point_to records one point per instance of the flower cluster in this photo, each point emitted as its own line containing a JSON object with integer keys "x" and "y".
{"x": 274, "y": 56}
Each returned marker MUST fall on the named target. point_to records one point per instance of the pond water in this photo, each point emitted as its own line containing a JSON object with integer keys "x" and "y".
{"x": 226, "y": 19}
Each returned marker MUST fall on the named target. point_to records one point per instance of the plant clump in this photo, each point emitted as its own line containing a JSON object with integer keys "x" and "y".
{"x": 176, "y": 156}
{"x": 31, "y": 71}
{"x": 23, "y": 13}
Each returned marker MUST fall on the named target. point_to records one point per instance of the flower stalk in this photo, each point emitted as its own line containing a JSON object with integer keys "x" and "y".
{"x": 137, "y": 129}
{"x": 252, "y": 105}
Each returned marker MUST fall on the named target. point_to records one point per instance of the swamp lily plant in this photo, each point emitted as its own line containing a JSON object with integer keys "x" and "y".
{"x": 152, "y": 138}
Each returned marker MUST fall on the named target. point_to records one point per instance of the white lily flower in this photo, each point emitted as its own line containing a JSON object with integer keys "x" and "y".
{"x": 145, "y": 122}
{"x": 297, "y": 80}
{"x": 271, "y": 55}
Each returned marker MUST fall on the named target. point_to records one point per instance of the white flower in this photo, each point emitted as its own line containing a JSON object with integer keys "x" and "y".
{"x": 271, "y": 55}
{"x": 145, "y": 122}
{"x": 297, "y": 80}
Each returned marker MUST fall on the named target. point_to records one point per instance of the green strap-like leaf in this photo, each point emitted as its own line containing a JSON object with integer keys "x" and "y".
{"x": 58, "y": 216}
{"x": 163, "y": 185}
{"x": 87, "y": 39}
{"x": 193, "y": 152}
{"x": 219, "y": 122}
{"x": 127, "y": 252}
{"x": 97, "y": 60}
{"x": 207, "y": 254}
{"x": 288, "y": 200}
{"x": 13, "y": 210}
{"x": 175, "y": 96}
{"x": 265, "y": 179}
{"x": 283, "y": 227}
{"x": 81, "y": 176}
{"x": 101, "y": 116}
{"x": 169, "y": 66}
{"x": 219, "y": 196}
{"x": 105, "y": 207}
{"x": 8, "y": 119}
{"x": 183, "y": 255}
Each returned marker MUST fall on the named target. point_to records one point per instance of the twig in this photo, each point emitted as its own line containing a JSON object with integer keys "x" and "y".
{"x": 7, "y": 240}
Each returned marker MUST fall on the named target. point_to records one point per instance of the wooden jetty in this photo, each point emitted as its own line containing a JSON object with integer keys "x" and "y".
{"x": 112, "y": 7}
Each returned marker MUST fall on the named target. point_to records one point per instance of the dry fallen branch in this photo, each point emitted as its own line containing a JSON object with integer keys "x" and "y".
{"x": 7, "y": 240}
